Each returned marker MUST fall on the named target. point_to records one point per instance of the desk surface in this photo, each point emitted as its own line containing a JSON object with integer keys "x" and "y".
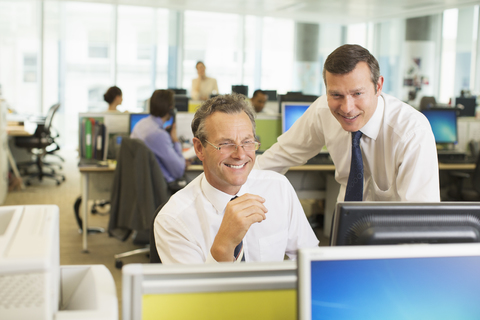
{"x": 307, "y": 167}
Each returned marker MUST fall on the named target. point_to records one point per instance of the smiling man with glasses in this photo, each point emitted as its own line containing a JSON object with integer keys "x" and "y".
{"x": 231, "y": 213}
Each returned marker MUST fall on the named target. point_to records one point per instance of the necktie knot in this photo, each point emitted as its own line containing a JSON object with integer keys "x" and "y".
{"x": 356, "y": 136}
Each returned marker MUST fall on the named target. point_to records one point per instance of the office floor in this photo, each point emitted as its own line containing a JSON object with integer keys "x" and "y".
{"x": 101, "y": 246}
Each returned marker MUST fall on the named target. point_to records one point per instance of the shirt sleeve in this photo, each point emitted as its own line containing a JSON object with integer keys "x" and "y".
{"x": 301, "y": 142}
{"x": 300, "y": 233}
{"x": 169, "y": 154}
{"x": 418, "y": 176}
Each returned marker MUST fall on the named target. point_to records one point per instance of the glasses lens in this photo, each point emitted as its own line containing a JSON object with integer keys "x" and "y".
{"x": 227, "y": 149}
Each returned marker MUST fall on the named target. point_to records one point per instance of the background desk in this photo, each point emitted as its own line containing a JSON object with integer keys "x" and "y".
{"x": 98, "y": 180}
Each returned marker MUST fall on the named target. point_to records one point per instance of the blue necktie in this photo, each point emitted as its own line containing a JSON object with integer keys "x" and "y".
{"x": 354, "y": 190}
{"x": 238, "y": 248}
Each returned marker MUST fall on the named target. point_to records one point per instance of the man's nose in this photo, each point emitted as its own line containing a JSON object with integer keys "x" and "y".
{"x": 348, "y": 105}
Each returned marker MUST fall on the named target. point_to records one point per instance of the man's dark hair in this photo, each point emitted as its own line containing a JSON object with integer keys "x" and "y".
{"x": 258, "y": 91}
{"x": 161, "y": 102}
{"x": 229, "y": 103}
{"x": 345, "y": 58}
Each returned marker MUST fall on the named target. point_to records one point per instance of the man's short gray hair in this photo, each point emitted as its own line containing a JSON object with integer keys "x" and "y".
{"x": 229, "y": 103}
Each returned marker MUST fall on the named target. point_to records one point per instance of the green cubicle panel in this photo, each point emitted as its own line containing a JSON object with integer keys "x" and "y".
{"x": 268, "y": 129}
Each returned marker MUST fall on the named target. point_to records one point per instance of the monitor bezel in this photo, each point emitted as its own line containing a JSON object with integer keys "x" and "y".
{"x": 306, "y": 256}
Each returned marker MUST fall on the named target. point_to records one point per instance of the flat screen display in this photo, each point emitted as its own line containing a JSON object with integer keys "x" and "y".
{"x": 291, "y": 111}
{"x": 135, "y": 117}
{"x": 444, "y": 124}
{"x": 428, "y": 286}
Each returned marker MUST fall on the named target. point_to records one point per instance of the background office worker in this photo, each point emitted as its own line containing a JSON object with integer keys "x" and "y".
{"x": 164, "y": 144}
{"x": 203, "y": 86}
{"x": 230, "y": 206}
{"x": 398, "y": 150}
{"x": 258, "y": 100}
{"x": 113, "y": 97}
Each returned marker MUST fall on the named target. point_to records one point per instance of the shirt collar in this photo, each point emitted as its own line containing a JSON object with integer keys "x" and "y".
{"x": 372, "y": 128}
{"x": 218, "y": 198}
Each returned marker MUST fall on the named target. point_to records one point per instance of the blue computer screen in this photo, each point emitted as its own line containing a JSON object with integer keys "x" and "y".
{"x": 444, "y": 124}
{"x": 409, "y": 288}
{"x": 135, "y": 117}
{"x": 291, "y": 112}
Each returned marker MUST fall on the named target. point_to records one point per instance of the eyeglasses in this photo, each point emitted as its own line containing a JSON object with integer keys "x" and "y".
{"x": 230, "y": 148}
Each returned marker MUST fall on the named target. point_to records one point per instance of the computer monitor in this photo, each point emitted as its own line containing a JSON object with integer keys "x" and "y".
{"x": 272, "y": 94}
{"x": 380, "y": 223}
{"x": 291, "y": 111}
{"x": 240, "y": 89}
{"x": 466, "y": 106}
{"x": 233, "y": 291}
{"x": 178, "y": 90}
{"x": 389, "y": 282}
{"x": 134, "y": 118}
{"x": 294, "y": 97}
{"x": 181, "y": 102}
{"x": 444, "y": 124}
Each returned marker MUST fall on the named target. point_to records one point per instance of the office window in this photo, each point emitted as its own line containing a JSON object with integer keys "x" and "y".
{"x": 213, "y": 39}
{"x": 449, "y": 39}
{"x": 88, "y": 39}
{"x": 358, "y": 34}
{"x": 277, "y": 54}
{"x": 136, "y": 55}
{"x": 252, "y": 53}
{"x": 161, "y": 43}
{"x": 19, "y": 54}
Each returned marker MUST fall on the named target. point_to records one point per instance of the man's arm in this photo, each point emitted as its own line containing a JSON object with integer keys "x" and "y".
{"x": 301, "y": 142}
{"x": 171, "y": 157}
{"x": 239, "y": 215}
{"x": 418, "y": 176}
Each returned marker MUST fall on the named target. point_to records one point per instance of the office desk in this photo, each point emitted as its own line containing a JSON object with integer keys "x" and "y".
{"x": 330, "y": 199}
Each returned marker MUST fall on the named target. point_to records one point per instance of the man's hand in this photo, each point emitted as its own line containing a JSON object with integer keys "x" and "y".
{"x": 173, "y": 132}
{"x": 240, "y": 214}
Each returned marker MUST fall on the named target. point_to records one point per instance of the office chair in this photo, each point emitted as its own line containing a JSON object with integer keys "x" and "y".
{"x": 37, "y": 146}
{"x": 154, "y": 256}
{"x": 139, "y": 189}
{"x": 427, "y": 102}
{"x": 463, "y": 191}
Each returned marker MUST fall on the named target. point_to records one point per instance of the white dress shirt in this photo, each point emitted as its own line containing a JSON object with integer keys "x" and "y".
{"x": 398, "y": 149}
{"x": 207, "y": 87}
{"x": 187, "y": 225}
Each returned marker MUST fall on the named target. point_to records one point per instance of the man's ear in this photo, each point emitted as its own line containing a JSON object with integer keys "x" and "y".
{"x": 379, "y": 85}
{"x": 199, "y": 149}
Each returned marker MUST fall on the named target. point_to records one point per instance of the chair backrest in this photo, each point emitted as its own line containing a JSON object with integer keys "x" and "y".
{"x": 50, "y": 114}
{"x": 426, "y": 101}
{"x": 139, "y": 188}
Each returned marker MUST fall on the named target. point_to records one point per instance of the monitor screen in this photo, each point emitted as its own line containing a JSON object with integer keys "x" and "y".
{"x": 291, "y": 111}
{"x": 380, "y": 223}
{"x": 135, "y": 117}
{"x": 272, "y": 94}
{"x": 444, "y": 124}
{"x": 389, "y": 282}
{"x": 466, "y": 106}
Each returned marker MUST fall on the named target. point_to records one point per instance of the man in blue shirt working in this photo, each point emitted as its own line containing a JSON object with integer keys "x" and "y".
{"x": 161, "y": 138}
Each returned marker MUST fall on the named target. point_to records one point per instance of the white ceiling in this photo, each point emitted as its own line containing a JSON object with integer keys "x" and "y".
{"x": 317, "y": 11}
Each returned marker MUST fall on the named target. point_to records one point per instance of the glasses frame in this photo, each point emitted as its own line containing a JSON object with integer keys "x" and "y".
{"x": 256, "y": 143}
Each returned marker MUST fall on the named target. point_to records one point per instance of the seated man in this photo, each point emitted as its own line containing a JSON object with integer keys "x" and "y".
{"x": 231, "y": 213}
{"x": 258, "y": 100}
{"x": 165, "y": 145}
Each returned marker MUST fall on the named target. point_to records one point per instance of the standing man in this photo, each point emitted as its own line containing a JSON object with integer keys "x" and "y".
{"x": 383, "y": 146}
{"x": 231, "y": 212}
{"x": 258, "y": 100}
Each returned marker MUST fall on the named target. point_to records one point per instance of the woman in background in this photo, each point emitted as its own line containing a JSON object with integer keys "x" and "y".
{"x": 203, "y": 86}
{"x": 113, "y": 97}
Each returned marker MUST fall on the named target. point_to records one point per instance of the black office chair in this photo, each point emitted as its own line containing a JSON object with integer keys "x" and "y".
{"x": 139, "y": 189}
{"x": 37, "y": 146}
{"x": 427, "y": 102}
{"x": 154, "y": 256}
{"x": 466, "y": 186}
